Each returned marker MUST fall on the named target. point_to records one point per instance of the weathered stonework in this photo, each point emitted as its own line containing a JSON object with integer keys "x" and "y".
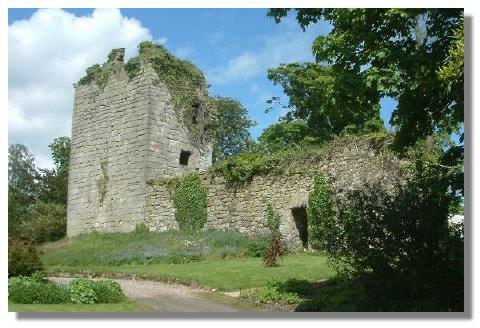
{"x": 124, "y": 134}
{"x": 349, "y": 166}
{"x": 127, "y": 132}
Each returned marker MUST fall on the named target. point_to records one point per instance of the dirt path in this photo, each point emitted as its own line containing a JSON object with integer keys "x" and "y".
{"x": 164, "y": 297}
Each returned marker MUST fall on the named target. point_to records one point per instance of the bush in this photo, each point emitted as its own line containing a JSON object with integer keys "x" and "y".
{"x": 82, "y": 291}
{"x": 35, "y": 290}
{"x": 321, "y": 214}
{"x": 23, "y": 258}
{"x": 45, "y": 222}
{"x": 274, "y": 292}
{"x": 401, "y": 241}
{"x": 108, "y": 291}
{"x": 189, "y": 197}
{"x": 275, "y": 248}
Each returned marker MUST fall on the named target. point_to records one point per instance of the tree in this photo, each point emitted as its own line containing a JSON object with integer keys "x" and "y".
{"x": 54, "y": 182}
{"x": 331, "y": 101}
{"x": 397, "y": 53}
{"x": 231, "y": 128}
{"x": 22, "y": 183}
{"x": 285, "y": 134}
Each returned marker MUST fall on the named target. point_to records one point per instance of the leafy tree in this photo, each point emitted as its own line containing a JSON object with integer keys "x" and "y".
{"x": 22, "y": 183}
{"x": 405, "y": 54}
{"x": 231, "y": 128}
{"x": 54, "y": 182}
{"x": 331, "y": 101}
{"x": 286, "y": 134}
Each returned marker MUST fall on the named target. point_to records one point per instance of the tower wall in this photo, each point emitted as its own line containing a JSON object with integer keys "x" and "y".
{"x": 122, "y": 135}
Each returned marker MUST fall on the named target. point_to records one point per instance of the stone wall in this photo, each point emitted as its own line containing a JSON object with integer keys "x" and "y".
{"x": 123, "y": 134}
{"x": 348, "y": 165}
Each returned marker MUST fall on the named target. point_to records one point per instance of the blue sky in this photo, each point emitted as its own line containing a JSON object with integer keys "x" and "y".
{"x": 233, "y": 47}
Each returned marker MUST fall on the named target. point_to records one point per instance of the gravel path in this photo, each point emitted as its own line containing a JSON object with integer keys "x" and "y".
{"x": 164, "y": 297}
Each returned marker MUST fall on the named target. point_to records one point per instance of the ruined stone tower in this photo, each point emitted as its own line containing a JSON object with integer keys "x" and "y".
{"x": 146, "y": 119}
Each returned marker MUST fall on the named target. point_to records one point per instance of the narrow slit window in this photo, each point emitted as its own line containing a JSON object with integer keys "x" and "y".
{"x": 184, "y": 157}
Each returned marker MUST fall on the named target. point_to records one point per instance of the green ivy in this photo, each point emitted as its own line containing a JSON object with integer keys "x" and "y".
{"x": 103, "y": 181}
{"x": 189, "y": 198}
{"x": 97, "y": 73}
{"x": 320, "y": 212}
{"x": 183, "y": 80}
{"x": 298, "y": 158}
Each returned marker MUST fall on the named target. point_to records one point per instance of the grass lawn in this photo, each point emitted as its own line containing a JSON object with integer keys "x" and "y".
{"x": 229, "y": 274}
{"x": 143, "y": 247}
{"x": 120, "y": 307}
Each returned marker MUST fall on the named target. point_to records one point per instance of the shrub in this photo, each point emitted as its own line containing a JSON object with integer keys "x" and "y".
{"x": 275, "y": 248}
{"x": 320, "y": 214}
{"x": 274, "y": 292}
{"x": 82, "y": 291}
{"x": 108, "y": 291}
{"x": 23, "y": 258}
{"x": 189, "y": 197}
{"x": 401, "y": 241}
{"x": 35, "y": 290}
{"x": 45, "y": 222}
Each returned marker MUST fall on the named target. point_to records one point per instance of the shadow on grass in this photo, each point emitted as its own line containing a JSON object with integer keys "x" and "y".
{"x": 368, "y": 293}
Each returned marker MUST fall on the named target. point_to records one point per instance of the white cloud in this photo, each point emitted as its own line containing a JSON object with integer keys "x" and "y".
{"x": 184, "y": 52}
{"x": 286, "y": 45}
{"x": 48, "y": 53}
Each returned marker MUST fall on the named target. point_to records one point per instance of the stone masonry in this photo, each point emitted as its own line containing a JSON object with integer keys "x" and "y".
{"x": 349, "y": 165}
{"x": 122, "y": 136}
{"x": 127, "y": 132}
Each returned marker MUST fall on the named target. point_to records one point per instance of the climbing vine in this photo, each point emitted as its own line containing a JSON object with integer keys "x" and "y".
{"x": 103, "y": 181}
{"x": 101, "y": 73}
{"x": 320, "y": 212}
{"x": 185, "y": 82}
{"x": 189, "y": 198}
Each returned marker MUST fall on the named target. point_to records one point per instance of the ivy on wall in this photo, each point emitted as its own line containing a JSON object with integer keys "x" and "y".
{"x": 103, "y": 181}
{"x": 320, "y": 212}
{"x": 185, "y": 82}
{"x": 189, "y": 198}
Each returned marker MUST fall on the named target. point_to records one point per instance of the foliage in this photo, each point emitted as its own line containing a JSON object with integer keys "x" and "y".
{"x": 102, "y": 183}
{"x": 275, "y": 248}
{"x": 32, "y": 290}
{"x": 148, "y": 247}
{"x": 285, "y": 134}
{"x": 82, "y": 291}
{"x": 284, "y": 293}
{"x": 38, "y": 197}
{"x": 60, "y": 148}
{"x": 185, "y": 82}
{"x": 22, "y": 184}
{"x": 298, "y": 158}
{"x": 189, "y": 197}
{"x": 23, "y": 258}
{"x": 321, "y": 214}
{"x": 330, "y": 101}
{"x": 398, "y": 53}
{"x": 44, "y": 222}
{"x": 97, "y": 73}
{"x": 231, "y": 128}
{"x": 402, "y": 240}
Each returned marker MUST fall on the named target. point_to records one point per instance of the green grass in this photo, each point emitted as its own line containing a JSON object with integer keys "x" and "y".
{"x": 120, "y": 307}
{"x": 143, "y": 247}
{"x": 230, "y": 274}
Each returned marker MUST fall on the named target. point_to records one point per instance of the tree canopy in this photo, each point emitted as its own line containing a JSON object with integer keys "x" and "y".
{"x": 406, "y": 54}
{"x": 231, "y": 128}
